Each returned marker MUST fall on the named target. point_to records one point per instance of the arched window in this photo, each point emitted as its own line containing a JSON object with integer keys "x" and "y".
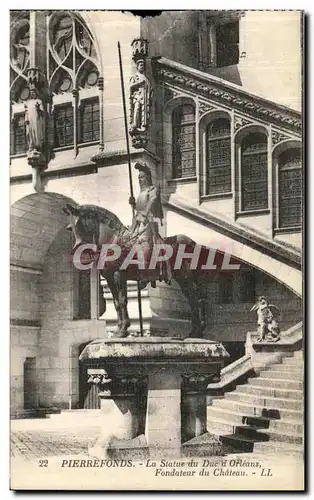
{"x": 290, "y": 188}
{"x": 19, "y": 91}
{"x": 73, "y": 76}
{"x": 183, "y": 141}
{"x": 218, "y": 157}
{"x": 254, "y": 192}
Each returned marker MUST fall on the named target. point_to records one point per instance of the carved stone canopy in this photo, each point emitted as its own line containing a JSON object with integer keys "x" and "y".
{"x": 36, "y": 81}
{"x": 139, "y": 49}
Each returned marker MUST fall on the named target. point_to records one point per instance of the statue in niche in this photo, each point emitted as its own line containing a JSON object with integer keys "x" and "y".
{"x": 36, "y": 120}
{"x": 268, "y": 327}
{"x": 140, "y": 97}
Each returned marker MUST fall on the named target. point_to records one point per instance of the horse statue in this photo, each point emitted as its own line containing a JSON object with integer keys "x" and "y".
{"x": 96, "y": 225}
{"x": 91, "y": 224}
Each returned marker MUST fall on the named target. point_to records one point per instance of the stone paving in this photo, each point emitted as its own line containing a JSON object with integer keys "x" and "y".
{"x": 29, "y": 442}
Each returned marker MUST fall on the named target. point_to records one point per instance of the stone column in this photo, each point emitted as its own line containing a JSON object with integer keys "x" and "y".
{"x": 121, "y": 404}
{"x": 163, "y": 420}
{"x": 194, "y": 405}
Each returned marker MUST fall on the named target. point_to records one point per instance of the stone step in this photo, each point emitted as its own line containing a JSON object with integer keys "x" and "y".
{"x": 275, "y": 383}
{"x": 236, "y": 442}
{"x": 248, "y": 444}
{"x": 267, "y": 402}
{"x": 270, "y": 391}
{"x": 27, "y": 414}
{"x": 290, "y": 369}
{"x": 278, "y": 448}
{"x": 225, "y": 428}
{"x": 286, "y": 375}
{"x": 247, "y": 408}
{"x": 216, "y": 414}
{"x": 293, "y": 361}
{"x": 75, "y": 414}
{"x": 270, "y": 435}
{"x": 298, "y": 354}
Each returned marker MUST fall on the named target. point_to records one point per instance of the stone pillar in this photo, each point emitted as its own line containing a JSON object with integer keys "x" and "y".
{"x": 121, "y": 404}
{"x": 194, "y": 404}
{"x": 163, "y": 416}
{"x": 166, "y": 368}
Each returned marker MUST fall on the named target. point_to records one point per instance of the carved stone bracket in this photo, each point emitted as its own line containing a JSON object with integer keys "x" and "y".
{"x": 116, "y": 386}
{"x": 240, "y": 122}
{"x": 197, "y": 382}
{"x": 140, "y": 96}
{"x": 170, "y": 94}
{"x": 277, "y": 137}
{"x": 204, "y": 107}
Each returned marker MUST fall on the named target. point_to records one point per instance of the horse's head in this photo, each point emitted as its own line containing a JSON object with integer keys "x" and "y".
{"x": 84, "y": 223}
{"x": 93, "y": 224}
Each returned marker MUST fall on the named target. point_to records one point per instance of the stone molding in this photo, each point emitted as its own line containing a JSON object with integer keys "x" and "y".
{"x": 224, "y": 93}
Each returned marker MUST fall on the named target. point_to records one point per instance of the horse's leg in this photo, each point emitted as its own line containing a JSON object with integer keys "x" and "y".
{"x": 121, "y": 287}
{"x": 113, "y": 289}
{"x": 190, "y": 289}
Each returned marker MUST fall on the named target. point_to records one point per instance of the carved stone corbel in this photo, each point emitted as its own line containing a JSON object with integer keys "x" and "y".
{"x": 140, "y": 96}
{"x": 36, "y": 125}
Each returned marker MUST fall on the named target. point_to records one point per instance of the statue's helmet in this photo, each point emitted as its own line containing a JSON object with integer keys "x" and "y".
{"x": 142, "y": 167}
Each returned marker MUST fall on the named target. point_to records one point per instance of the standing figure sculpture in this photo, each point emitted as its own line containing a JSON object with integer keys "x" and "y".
{"x": 268, "y": 327}
{"x": 144, "y": 229}
{"x": 36, "y": 124}
{"x": 35, "y": 121}
{"x": 140, "y": 96}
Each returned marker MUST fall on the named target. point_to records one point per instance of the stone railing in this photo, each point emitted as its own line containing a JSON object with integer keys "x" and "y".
{"x": 258, "y": 355}
{"x": 265, "y": 353}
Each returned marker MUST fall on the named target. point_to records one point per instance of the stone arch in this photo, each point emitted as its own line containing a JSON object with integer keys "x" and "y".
{"x": 36, "y": 219}
{"x": 203, "y": 234}
{"x": 243, "y": 132}
{"x": 203, "y": 123}
{"x": 284, "y": 145}
{"x": 36, "y": 222}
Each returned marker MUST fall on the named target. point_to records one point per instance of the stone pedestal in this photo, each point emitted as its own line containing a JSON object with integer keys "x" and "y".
{"x": 153, "y": 392}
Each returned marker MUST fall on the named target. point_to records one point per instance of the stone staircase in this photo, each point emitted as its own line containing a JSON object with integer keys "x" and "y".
{"x": 266, "y": 413}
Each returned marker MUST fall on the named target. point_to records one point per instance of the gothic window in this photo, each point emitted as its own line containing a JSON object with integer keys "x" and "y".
{"x": 254, "y": 191}
{"x": 19, "y": 91}
{"x": 19, "y": 59}
{"x": 227, "y": 44}
{"x": 73, "y": 76}
{"x": 183, "y": 141}
{"x": 89, "y": 121}
{"x": 290, "y": 188}
{"x": 18, "y": 144}
{"x": 218, "y": 157}
{"x": 63, "y": 125}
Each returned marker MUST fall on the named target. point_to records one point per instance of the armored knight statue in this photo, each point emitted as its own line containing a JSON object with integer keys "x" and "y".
{"x": 144, "y": 229}
{"x": 140, "y": 94}
{"x": 268, "y": 327}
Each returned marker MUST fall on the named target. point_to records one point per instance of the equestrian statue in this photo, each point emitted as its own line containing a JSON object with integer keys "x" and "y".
{"x": 91, "y": 224}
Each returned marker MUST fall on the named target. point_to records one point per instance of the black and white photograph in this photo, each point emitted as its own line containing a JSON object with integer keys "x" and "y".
{"x": 156, "y": 250}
